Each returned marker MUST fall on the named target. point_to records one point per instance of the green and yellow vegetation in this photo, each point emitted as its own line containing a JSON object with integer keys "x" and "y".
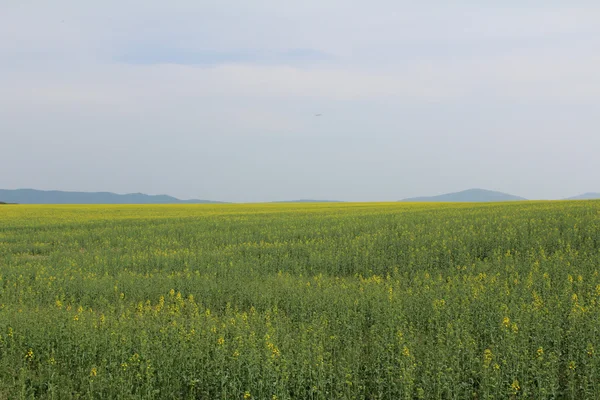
{"x": 301, "y": 301}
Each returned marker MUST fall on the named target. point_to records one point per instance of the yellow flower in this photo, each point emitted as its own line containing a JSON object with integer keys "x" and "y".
{"x": 572, "y": 365}
{"x": 514, "y": 327}
{"x": 439, "y": 303}
{"x": 29, "y": 355}
{"x": 406, "y": 352}
{"x": 221, "y": 341}
{"x": 538, "y": 303}
{"x": 506, "y": 322}
{"x": 590, "y": 350}
{"x": 247, "y": 395}
{"x": 540, "y": 352}
{"x": 515, "y": 387}
{"x": 275, "y": 352}
{"x": 93, "y": 372}
{"x": 161, "y": 304}
{"x": 487, "y": 357}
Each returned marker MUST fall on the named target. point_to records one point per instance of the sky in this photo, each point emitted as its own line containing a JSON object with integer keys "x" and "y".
{"x": 218, "y": 99}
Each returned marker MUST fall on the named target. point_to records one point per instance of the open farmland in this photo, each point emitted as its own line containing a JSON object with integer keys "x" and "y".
{"x": 301, "y": 301}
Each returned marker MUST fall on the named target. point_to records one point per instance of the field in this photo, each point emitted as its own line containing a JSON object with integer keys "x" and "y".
{"x": 301, "y": 301}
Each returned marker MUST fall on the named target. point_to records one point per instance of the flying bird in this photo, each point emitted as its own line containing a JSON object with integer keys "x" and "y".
{"x": 318, "y": 115}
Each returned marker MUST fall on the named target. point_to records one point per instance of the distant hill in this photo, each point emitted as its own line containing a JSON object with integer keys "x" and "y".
{"x": 308, "y": 201}
{"x": 32, "y": 196}
{"x": 471, "y": 195}
{"x": 585, "y": 196}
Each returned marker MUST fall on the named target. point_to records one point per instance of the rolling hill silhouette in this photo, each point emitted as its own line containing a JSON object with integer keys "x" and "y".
{"x": 470, "y": 195}
{"x": 32, "y": 196}
{"x": 585, "y": 196}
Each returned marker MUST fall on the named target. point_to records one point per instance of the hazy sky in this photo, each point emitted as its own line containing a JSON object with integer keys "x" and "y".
{"x": 217, "y": 99}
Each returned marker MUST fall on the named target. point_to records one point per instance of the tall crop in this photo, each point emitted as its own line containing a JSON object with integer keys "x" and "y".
{"x": 301, "y": 301}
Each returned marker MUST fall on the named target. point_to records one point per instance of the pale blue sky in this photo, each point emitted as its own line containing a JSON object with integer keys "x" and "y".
{"x": 216, "y": 100}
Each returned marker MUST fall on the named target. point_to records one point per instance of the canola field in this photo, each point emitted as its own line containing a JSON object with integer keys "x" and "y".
{"x": 301, "y": 301}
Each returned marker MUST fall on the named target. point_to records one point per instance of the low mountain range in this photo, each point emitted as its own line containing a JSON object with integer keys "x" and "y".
{"x": 470, "y": 195}
{"x": 585, "y": 196}
{"x": 32, "y": 196}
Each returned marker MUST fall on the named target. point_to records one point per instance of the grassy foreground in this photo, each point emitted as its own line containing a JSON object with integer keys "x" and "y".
{"x": 301, "y": 301}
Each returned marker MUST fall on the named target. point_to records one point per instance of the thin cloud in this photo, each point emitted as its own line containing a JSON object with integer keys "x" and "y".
{"x": 148, "y": 55}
